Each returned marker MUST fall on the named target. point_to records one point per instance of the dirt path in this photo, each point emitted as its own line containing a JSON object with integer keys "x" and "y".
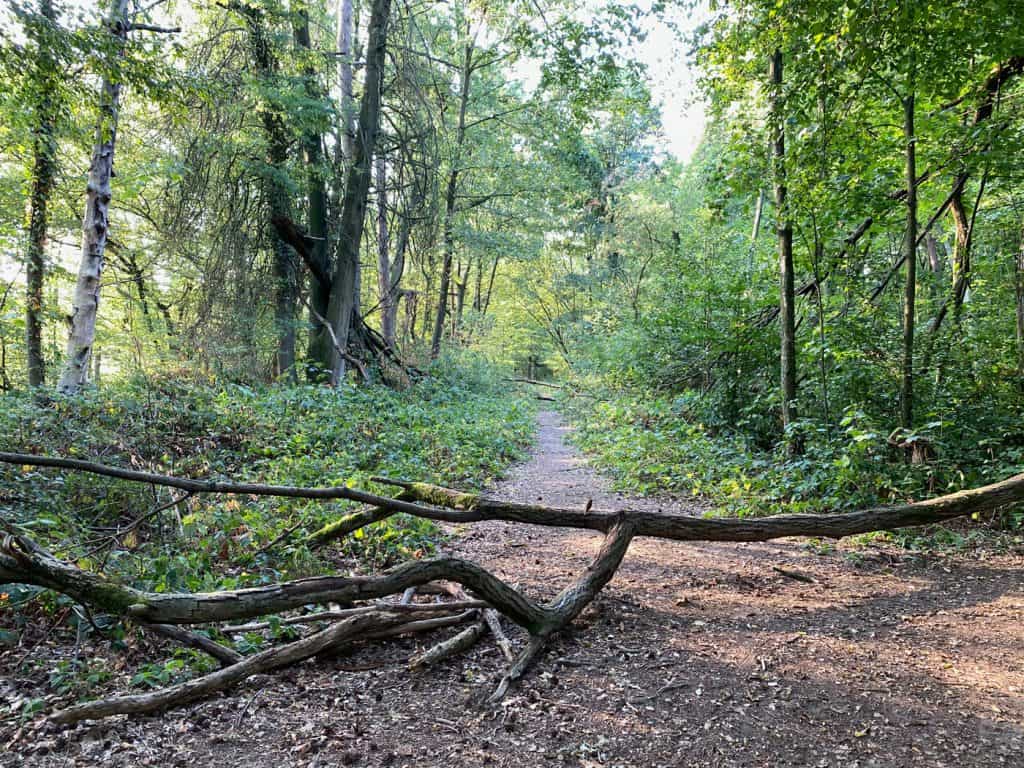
{"x": 695, "y": 655}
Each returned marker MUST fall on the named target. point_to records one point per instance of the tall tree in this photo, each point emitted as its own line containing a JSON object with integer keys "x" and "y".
{"x": 342, "y": 314}
{"x": 451, "y": 198}
{"x": 910, "y": 236}
{"x": 784, "y": 228}
{"x": 44, "y": 166}
{"x": 319, "y": 256}
{"x": 96, "y": 222}
{"x": 276, "y": 188}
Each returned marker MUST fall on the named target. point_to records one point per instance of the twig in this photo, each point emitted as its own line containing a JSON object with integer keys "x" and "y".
{"x": 453, "y": 645}
{"x": 493, "y": 619}
{"x": 796, "y": 576}
{"x": 280, "y": 537}
{"x": 312, "y": 618}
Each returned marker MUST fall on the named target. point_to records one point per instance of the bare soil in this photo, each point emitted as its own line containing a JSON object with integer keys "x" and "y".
{"x": 695, "y": 655}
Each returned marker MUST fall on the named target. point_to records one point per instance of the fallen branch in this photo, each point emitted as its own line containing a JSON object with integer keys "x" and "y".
{"x": 332, "y": 638}
{"x": 226, "y": 656}
{"x": 21, "y": 560}
{"x": 493, "y": 619}
{"x": 794, "y": 575}
{"x": 319, "y": 616}
{"x": 450, "y": 647}
{"x": 535, "y": 382}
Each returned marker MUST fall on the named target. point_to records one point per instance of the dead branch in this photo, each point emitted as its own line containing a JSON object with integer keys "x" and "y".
{"x": 794, "y": 575}
{"x": 332, "y": 638}
{"x": 318, "y": 616}
{"x": 493, "y": 619}
{"x": 21, "y": 560}
{"x": 535, "y": 382}
{"x": 450, "y": 647}
{"x": 226, "y": 656}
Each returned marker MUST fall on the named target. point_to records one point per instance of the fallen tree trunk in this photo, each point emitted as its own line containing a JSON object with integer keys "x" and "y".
{"x": 21, "y": 560}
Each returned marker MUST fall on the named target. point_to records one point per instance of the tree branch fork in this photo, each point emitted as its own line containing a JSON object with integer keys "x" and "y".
{"x": 24, "y": 561}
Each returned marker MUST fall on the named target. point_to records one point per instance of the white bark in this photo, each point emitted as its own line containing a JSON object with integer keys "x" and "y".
{"x": 96, "y": 222}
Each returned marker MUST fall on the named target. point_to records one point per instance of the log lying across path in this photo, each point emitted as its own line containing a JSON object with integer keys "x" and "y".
{"x": 23, "y": 561}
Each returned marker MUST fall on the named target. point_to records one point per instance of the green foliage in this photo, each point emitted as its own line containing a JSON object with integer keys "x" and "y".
{"x": 663, "y": 443}
{"x": 440, "y": 430}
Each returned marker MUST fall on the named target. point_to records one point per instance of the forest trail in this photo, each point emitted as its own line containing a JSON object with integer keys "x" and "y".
{"x": 695, "y": 655}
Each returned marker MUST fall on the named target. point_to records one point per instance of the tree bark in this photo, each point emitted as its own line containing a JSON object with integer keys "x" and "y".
{"x": 286, "y": 288}
{"x": 96, "y": 222}
{"x": 787, "y": 312}
{"x": 1019, "y": 293}
{"x": 909, "y": 253}
{"x": 342, "y": 309}
{"x": 348, "y": 131}
{"x": 386, "y": 283}
{"x": 44, "y": 167}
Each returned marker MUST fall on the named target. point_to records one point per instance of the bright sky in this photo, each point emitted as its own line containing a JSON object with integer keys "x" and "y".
{"x": 673, "y": 77}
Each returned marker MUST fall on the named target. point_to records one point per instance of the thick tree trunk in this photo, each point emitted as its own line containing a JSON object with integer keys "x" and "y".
{"x": 787, "y": 312}
{"x": 44, "y": 167}
{"x": 450, "y": 200}
{"x": 910, "y": 257}
{"x": 96, "y": 223}
{"x": 342, "y": 310}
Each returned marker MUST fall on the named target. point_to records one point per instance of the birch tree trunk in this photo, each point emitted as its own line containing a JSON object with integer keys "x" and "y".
{"x": 95, "y": 224}
{"x": 44, "y": 166}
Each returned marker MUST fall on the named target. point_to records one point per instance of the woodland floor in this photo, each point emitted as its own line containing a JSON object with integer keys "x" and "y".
{"x": 695, "y": 655}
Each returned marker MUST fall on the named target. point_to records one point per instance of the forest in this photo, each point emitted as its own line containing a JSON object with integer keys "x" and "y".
{"x": 512, "y": 382}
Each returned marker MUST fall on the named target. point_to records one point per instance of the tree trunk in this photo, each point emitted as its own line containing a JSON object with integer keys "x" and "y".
{"x": 787, "y": 313}
{"x": 490, "y": 286}
{"x": 345, "y": 283}
{"x": 44, "y": 151}
{"x": 450, "y": 200}
{"x": 909, "y": 256}
{"x": 398, "y": 269}
{"x": 386, "y": 287}
{"x": 319, "y": 342}
{"x": 347, "y": 138}
{"x": 278, "y": 199}
{"x": 96, "y": 222}
{"x": 1019, "y": 290}
{"x": 961, "y": 251}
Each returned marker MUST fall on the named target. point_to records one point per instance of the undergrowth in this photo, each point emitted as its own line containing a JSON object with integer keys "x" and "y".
{"x": 446, "y": 430}
{"x": 653, "y": 442}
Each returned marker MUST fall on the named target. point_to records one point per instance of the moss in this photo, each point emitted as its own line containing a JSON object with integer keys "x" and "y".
{"x": 443, "y": 497}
